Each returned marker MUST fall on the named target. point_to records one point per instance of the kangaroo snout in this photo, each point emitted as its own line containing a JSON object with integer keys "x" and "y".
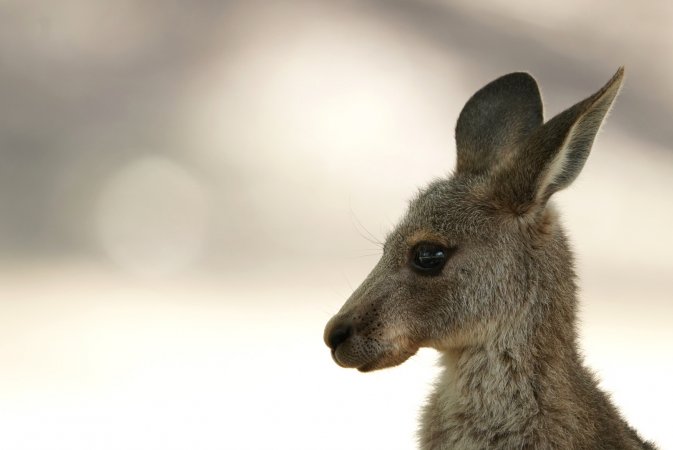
{"x": 361, "y": 339}
{"x": 351, "y": 346}
{"x": 337, "y": 331}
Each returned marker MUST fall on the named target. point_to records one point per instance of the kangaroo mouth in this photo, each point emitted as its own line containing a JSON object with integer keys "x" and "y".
{"x": 369, "y": 355}
{"x": 364, "y": 367}
{"x": 350, "y": 355}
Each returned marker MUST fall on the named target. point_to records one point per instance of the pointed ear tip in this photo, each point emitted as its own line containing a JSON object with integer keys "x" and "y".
{"x": 612, "y": 88}
{"x": 618, "y": 77}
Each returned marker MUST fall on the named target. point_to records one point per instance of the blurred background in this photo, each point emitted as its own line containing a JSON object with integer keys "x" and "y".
{"x": 187, "y": 191}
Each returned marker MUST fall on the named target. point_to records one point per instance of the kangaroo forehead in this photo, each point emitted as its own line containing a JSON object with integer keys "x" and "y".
{"x": 455, "y": 206}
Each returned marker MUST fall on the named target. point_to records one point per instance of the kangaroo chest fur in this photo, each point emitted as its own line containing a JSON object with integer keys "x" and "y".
{"x": 487, "y": 398}
{"x": 480, "y": 401}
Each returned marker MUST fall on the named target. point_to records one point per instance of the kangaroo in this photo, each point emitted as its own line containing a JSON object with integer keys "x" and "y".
{"x": 480, "y": 269}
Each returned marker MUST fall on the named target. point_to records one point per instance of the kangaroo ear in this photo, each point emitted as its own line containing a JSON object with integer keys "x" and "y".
{"x": 495, "y": 120}
{"x": 555, "y": 153}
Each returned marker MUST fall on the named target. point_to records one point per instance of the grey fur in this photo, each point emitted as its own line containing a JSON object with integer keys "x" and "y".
{"x": 503, "y": 309}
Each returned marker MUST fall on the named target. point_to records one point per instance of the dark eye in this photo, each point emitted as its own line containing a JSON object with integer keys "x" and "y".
{"x": 429, "y": 258}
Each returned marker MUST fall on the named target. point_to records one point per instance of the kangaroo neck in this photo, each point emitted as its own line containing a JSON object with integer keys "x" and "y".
{"x": 492, "y": 395}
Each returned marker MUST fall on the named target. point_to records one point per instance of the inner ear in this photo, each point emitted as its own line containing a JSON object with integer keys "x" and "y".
{"x": 496, "y": 119}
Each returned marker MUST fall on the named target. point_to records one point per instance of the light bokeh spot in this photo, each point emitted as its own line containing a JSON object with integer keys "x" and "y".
{"x": 152, "y": 217}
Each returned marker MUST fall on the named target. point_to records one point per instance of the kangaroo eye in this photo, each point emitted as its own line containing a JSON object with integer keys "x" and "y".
{"x": 428, "y": 259}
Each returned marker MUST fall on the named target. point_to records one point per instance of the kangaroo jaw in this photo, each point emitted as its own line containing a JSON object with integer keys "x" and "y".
{"x": 367, "y": 355}
{"x": 387, "y": 361}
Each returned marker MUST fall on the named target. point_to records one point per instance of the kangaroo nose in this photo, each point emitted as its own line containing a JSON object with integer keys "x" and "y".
{"x": 338, "y": 334}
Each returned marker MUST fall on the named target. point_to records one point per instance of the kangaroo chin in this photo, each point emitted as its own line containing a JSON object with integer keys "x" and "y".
{"x": 480, "y": 269}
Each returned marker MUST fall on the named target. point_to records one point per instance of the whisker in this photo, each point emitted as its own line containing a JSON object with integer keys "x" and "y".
{"x": 367, "y": 255}
{"x": 369, "y": 237}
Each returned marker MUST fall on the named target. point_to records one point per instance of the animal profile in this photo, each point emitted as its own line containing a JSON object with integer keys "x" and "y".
{"x": 480, "y": 269}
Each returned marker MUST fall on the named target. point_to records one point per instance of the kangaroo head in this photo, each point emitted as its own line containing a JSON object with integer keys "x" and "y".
{"x": 459, "y": 267}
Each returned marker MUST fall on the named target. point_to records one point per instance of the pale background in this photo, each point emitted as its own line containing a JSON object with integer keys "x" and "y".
{"x": 186, "y": 188}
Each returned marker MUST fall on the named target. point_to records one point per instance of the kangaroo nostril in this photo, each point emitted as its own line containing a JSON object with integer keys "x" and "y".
{"x": 338, "y": 335}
